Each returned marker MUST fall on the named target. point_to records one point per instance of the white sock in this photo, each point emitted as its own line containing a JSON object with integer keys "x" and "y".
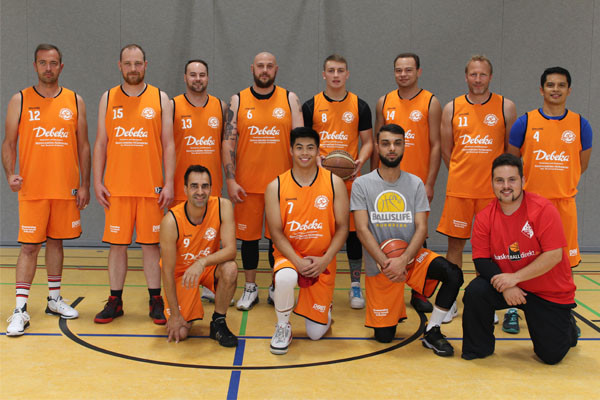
{"x": 437, "y": 316}
{"x": 22, "y": 293}
{"x": 283, "y": 295}
{"x": 54, "y": 286}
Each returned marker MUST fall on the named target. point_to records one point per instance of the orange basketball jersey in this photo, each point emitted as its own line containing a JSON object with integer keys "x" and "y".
{"x": 337, "y": 124}
{"x": 197, "y": 136}
{"x": 48, "y": 157}
{"x": 307, "y": 213}
{"x": 264, "y": 126}
{"x": 194, "y": 241}
{"x": 551, "y": 155}
{"x": 134, "y": 149}
{"x": 413, "y": 116}
{"x": 479, "y": 132}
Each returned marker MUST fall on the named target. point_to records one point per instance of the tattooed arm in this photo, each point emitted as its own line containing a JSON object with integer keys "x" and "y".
{"x": 229, "y": 150}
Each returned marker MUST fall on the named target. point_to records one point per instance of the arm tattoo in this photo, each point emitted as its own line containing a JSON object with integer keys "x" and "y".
{"x": 229, "y": 125}
{"x": 230, "y": 167}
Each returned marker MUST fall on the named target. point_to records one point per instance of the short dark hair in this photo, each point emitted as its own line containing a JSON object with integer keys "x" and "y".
{"x": 196, "y": 168}
{"x": 303, "y": 132}
{"x": 337, "y": 58}
{"x": 555, "y": 70}
{"x": 132, "y": 46}
{"x": 46, "y": 46}
{"x": 409, "y": 55}
{"x": 393, "y": 128}
{"x": 510, "y": 160}
{"x": 198, "y": 61}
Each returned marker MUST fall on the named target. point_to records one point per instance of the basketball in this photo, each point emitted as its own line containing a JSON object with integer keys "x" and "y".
{"x": 393, "y": 248}
{"x": 340, "y": 163}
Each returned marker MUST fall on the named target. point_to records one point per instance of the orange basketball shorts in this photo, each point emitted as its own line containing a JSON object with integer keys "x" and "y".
{"x": 125, "y": 213}
{"x": 50, "y": 218}
{"x": 457, "y": 217}
{"x": 190, "y": 302}
{"x": 249, "y": 216}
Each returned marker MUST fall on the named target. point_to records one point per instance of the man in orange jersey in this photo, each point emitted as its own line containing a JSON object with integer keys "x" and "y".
{"x": 419, "y": 112}
{"x": 255, "y": 150}
{"x": 474, "y": 132}
{"x": 197, "y": 244}
{"x": 134, "y": 141}
{"x": 556, "y": 145}
{"x": 307, "y": 213}
{"x": 341, "y": 118}
{"x": 53, "y": 180}
{"x": 197, "y": 132}
{"x": 390, "y": 203}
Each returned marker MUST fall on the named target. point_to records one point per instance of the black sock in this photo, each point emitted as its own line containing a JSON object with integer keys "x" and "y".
{"x": 116, "y": 293}
{"x": 216, "y": 316}
{"x": 154, "y": 292}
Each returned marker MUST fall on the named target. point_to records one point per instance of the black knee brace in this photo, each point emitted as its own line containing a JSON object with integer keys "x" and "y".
{"x": 353, "y": 247}
{"x": 386, "y": 334}
{"x": 250, "y": 254}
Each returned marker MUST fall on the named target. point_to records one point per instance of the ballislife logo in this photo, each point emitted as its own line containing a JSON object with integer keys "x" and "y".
{"x": 390, "y": 208}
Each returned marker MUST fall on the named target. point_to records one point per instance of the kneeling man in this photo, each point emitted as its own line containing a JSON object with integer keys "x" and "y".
{"x": 197, "y": 244}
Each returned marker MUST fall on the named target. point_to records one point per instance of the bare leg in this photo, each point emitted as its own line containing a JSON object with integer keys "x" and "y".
{"x": 455, "y": 250}
{"x": 54, "y": 257}
{"x": 151, "y": 257}
{"x": 227, "y": 281}
{"x": 250, "y": 275}
{"x": 27, "y": 262}
{"x": 117, "y": 266}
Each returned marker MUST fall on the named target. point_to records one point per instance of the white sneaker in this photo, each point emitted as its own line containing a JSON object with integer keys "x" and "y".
{"x": 281, "y": 338}
{"x": 207, "y": 295}
{"x": 453, "y": 312}
{"x": 59, "y": 307}
{"x": 17, "y": 322}
{"x": 270, "y": 299}
{"x": 249, "y": 297}
{"x": 496, "y": 319}
{"x": 357, "y": 301}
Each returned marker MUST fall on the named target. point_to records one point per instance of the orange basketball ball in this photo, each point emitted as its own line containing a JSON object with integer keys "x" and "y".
{"x": 393, "y": 248}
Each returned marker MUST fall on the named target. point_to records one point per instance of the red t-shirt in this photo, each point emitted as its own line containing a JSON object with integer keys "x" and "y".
{"x": 515, "y": 241}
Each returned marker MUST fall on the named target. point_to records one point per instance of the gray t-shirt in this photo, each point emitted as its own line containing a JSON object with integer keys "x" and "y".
{"x": 391, "y": 207}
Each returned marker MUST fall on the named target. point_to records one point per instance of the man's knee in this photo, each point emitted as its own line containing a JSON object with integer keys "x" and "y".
{"x": 286, "y": 277}
{"x": 385, "y": 334}
{"x": 30, "y": 250}
{"x": 228, "y": 272}
{"x": 551, "y": 356}
{"x": 477, "y": 289}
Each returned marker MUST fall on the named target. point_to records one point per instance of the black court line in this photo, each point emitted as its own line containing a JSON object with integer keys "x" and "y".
{"x": 586, "y": 321}
{"x": 62, "y": 323}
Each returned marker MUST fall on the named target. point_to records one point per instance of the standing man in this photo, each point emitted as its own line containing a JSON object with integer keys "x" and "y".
{"x": 341, "y": 118}
{"x": 197, "y": 244}
{"x": 518, "y": 250}
{"x": 307, "y": 213}
{"x": 556, "y": 145}
{"x": 197, "y": 129}
{"x": 474, "y": 131}
{"x": 53, "y": 180}
{"x": 255, "y": 150}
{"x": 389, "y": 203}
{"x": 134, "y": 141}
{"x": 419, "y": 112}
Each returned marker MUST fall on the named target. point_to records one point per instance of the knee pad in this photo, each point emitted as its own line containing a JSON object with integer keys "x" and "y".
{"x": 455, "y": 274}
{"x": 250, "y": 254}
{"x": 286, "y": 277}
{"x": 353, "y": 247}
{"x": 316, "y": 331}
{"x": 386, "y": 334}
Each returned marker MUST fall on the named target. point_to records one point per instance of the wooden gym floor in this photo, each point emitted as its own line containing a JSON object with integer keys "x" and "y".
{"x": 130, "y": 358}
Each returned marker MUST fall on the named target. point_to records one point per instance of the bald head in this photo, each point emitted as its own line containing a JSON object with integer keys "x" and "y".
{"x": 264, "y": 69}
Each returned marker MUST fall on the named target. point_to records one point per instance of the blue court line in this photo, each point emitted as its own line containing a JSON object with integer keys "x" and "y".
{"x": 234, "y": 380}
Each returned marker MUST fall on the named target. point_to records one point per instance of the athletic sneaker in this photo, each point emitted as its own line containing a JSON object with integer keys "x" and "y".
{"x": 112, "y": 310}
{"x": 420, "y": 302}
{"x": 511, "y": 321}
{"x": 208, "y": 295}
{"x": 453, "y": 312}
{"x": 271, "y": 294}
{"x": 433, "y": 339}
{"x": 59, "y": 307}
{"x": 157, "y": 310}
{"x": 249, "y": 297}
{"x": 18, "y": 322}
{"x": 281, "y": 338}
{"x": 496, "y": 319}
{"x": 221, "y": 333}
{"x": 357, "y": 300}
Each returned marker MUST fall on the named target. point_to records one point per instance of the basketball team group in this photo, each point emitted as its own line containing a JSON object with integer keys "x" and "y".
{"x": 293, "y": 175}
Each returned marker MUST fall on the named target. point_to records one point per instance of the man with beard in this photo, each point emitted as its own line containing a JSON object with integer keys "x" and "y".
{"x": 518, "y": 251}
{"x": 389, "y": 203}
{"x": 255, "y": 150}
{"x": 197, "y": 244}
{"x": 134, "y": 140}
{"x": 53, "y": 180}
{"x": 474, "y": 131}
{"x": 419, "y": 112}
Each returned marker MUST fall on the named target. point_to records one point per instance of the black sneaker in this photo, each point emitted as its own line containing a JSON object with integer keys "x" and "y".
{"x": 511, "y": 321}
{"x": 575, "y": 331}
{"x": 420, "y": 302}
{"x": 157, "y": 310}
{"x": 221, "y": 333}
{"x": 112, "y": 310}
{"x": 433, "y": 339}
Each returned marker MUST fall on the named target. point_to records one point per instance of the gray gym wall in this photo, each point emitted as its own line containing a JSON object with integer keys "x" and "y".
{"x": 520, "y": 37}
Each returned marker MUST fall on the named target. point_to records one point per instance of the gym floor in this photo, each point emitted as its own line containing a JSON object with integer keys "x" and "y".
{"x": 130, "y": 357}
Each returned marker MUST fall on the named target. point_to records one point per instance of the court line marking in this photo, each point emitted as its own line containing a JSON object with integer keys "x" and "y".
{"x": 62, "y": 323}
{"x": 587, "y": 307}
{"x": 590, "y": 279}
{"x": 586, "y": 321}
